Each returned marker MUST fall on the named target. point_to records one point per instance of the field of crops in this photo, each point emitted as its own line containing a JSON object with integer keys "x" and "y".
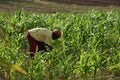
{"x": 89, "y": 48}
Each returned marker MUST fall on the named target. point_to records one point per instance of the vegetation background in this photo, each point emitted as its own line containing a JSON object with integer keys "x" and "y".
{"x": 88, "y": 50}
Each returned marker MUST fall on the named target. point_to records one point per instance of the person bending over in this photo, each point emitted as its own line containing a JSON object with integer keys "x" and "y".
{"x": 40, "y": 37}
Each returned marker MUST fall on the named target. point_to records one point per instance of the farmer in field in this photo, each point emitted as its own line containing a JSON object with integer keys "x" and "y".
{"x": 40, "y": 37}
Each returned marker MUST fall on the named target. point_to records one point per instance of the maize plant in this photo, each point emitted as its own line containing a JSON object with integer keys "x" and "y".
{"x": 89, "y": 48}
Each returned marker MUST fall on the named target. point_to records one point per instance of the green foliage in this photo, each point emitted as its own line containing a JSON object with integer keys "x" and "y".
{"x": 90, "y": 43}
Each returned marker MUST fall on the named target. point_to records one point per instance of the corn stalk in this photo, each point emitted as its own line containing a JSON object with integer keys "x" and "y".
{"x": 2, "y": 34}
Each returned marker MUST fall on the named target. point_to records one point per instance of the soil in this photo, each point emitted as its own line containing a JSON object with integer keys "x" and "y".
{"x": 58, "y": 5}
{"x": 89, "y": 2}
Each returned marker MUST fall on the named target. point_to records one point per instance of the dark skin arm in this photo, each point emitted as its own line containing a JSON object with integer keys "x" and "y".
{"x": 45, "y": 47}
{"x": 45, "y": 50}
{"x": 50, "y": 47}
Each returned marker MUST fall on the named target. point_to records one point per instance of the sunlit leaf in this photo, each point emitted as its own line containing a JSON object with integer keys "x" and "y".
{"x": 13, "y": 67}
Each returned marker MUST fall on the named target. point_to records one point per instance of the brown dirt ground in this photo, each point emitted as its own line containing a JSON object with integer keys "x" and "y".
{"x": 89, "y": 2}
{"x": 58, "y": 5}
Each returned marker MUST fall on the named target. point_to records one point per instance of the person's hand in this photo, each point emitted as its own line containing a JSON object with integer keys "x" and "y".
{"x": 51, "y": 48}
